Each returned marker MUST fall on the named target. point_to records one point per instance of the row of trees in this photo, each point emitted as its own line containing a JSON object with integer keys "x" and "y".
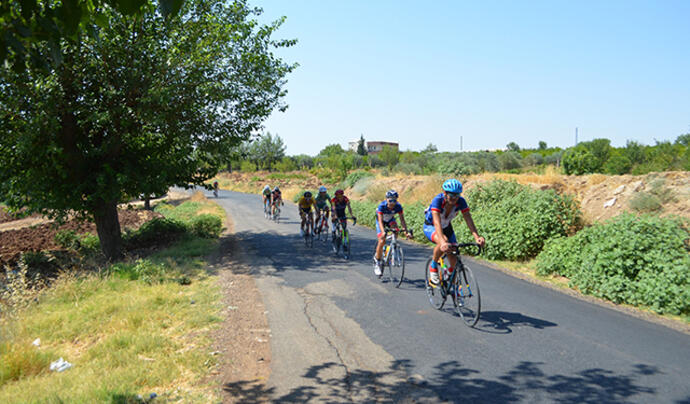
{"x": 596, "y": 156}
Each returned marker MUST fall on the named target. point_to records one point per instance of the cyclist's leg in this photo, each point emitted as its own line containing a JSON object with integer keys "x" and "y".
{"x": 381, "y": 236}
{"x": 452, "y": 258}
{"x": 430, "y": 233}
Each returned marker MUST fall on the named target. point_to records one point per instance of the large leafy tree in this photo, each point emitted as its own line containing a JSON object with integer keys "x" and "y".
{"x": 31, "y": 30}
{"x": 140, "y": 105}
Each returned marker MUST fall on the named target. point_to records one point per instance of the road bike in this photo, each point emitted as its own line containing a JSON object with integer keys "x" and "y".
{"x": 393, "y": 259}
{"x": 321, "y": 228}
{"x": 341, "y": 238}
{"x": 267, "y": 209}
{"x": 276, "y": 213}
{"x": 308, "y": 235}
{"x": 462, "y": 286}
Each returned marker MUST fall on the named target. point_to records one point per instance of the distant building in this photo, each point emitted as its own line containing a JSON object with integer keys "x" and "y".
{"x": 376, "y": 147}
{"x": 352, "y": 145}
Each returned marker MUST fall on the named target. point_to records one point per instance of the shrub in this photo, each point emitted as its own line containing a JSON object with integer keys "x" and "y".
{"x": 154, "y": 231}
{"x": 362, "y": 186}
{"x": 355, "y": 176}
{"x": 653, "y": 199}
{"x": 517, "y": 220}
{"x": 409, "y": 168}
{"x": 206, "y": 226}
{"x": 628, "y": 259}
{"x": 142, "y": 269}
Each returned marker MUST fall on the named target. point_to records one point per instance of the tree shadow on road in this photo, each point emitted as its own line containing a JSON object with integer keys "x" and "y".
{"x": 453, "y": 382}
{"x": 502, "y": 322}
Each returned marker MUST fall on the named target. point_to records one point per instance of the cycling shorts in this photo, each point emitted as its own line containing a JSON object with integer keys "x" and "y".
{"x": 392, "y": 224}
{"x": 429, "y": 231}
{"x": 305, "y": 210}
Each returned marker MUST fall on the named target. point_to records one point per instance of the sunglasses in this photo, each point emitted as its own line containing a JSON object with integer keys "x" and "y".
{"x": 392, "y": 200}
{"x": 452, "y": 194}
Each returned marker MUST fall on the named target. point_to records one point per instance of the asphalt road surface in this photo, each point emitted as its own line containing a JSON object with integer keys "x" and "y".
{"x": 340, "y": 335}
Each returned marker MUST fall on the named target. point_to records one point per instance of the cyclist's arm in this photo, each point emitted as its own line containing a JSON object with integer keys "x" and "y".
{"x": 350, "y": 209}
{"x": 473, "y": 229}
{"x": 402, "y": 222}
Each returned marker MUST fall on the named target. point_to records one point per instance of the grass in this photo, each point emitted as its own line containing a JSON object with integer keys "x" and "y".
{"x": 125, "y": 336}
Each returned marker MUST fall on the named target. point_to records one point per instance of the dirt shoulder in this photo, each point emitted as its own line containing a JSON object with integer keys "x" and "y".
{"x": 243, "y": 341}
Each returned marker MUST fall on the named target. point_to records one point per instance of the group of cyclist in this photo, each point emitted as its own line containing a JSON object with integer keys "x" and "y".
{"x": 323, "y": 204}
{"x": 438, "y": 217}
{"x": 272, "y": 199}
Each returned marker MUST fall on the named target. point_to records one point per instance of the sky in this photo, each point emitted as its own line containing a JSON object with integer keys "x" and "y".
{"x": 478, "y": 75}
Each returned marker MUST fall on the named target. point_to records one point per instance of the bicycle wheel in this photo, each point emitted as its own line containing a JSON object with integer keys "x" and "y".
{"x": 336, "y": 243}
{"x": 396, "y": 266}
{"x": 466, "y": 296}
{"x": 436, "y": 295}
{"x": 346, "y": 245}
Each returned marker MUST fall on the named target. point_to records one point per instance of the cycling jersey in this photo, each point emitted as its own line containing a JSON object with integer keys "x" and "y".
{"x": 438, "y": 204}
{"x": 276, "y": 196}
{"x": 339, "y": 206}
{"x": 388, "y": 215}
{"x": 267, "y": 192}
{"x": 321, "y": 201}
{"x": 305, "y": 204}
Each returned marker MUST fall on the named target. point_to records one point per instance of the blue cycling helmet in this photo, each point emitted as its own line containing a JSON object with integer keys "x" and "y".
{"x": 452, "y": 185}
{"x": 391, "y": 194}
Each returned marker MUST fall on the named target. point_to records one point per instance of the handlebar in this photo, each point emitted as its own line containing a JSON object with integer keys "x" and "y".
{"x": 457, "y": 247}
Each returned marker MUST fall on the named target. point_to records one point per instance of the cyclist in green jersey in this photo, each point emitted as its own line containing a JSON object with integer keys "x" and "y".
{"x": 323, "y": 203}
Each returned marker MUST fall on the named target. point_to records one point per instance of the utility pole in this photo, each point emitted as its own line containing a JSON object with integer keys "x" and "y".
{"x": 576, "y": 136}
{"x": 460, "y": 142}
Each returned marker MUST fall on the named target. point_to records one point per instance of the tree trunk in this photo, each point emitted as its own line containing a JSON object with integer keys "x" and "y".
{"x": 108, "y": 228}
{"x": 147, "y": 202}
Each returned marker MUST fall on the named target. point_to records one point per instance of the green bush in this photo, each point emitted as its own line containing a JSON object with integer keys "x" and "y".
{"x": 629, "y": 259}
{"x": 206, "y": 226}
{"x": 154, "y": 231}
{"x": 355, "y": 176}
{"x": 517, "y": 220}
{"x": 142, "y": 269}
{"x": 653, "y": 199}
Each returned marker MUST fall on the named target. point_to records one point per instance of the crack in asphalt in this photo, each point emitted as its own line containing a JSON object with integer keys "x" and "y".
{"x": 306, "y": 297}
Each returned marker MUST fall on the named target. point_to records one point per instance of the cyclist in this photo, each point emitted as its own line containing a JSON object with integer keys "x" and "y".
{"x": 338, "y": 205}
{"x": 276, "y": 198}
{"x": 439, "y": 229}
{"x": 321, "y": 200}
{"x": 385, "y": 217}
{"x": 215, "y": 188}
{"x": 266, "y": 193}
{"x": 304, "y": 206}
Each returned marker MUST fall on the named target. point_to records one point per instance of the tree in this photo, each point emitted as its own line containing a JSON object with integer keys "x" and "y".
{"x": 389, "y": 155}
{"x": 683, "y": 139}
{"x": 542, "y": 145}
{"x": 148, "y": 104}
{"x": 267, "y": 150}
{"x": 430, "y": 148}
{"x": 331, "y": 150}
{"x": 512, "y": 146}
{"x": 361, "y": 147}
{"x": 579, "y": 160}
{"x": 31, "y": 31}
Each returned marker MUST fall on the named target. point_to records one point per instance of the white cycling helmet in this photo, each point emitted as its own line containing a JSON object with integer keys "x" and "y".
{"x": 267, "y": 187}
{"x": 322, "y": 189}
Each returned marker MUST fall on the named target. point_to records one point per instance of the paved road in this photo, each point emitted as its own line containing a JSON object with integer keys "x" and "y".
{"x": 340, "y": 335}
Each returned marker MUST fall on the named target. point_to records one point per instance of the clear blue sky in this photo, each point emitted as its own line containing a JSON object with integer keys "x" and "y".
{"x": 492, "y": 72}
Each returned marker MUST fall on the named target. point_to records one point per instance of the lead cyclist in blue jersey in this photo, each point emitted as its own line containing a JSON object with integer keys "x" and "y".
{"x": 439, "y": 229}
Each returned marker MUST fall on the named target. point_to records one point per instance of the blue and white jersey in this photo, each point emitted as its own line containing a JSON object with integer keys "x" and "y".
{"x": 387, "y": 213}
{"x": 438, "y": 204}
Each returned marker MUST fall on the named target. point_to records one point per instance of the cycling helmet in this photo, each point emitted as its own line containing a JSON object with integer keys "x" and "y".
{"x": 322, "y": 189}
{"x": 452, "y": 185}
{"x": 391, "y": 194}
{"x": 276, "y": 189}
{"x": 339, "y": 192}
{"x": 267, "y": 187}
{"x": 307, "y": 194}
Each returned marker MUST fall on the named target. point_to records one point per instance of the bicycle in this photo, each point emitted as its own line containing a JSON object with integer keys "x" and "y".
{"x": 321, "y": 229}
{"x": 308, "y": 235}
{"x": 342, "y": 237}
{"x": 276, "y": 213}
{"x": 462, "y": 287}
{"x": 267, "y": 210}
{"x": 393, "y": 258}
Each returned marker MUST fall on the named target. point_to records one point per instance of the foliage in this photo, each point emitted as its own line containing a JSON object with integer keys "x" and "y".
{"x": 331, "y": 150}
{"x": 618, "y": 163}
{"x": 512, "y": 146}
{"x": 155, "y": 231}
{"x": 355, "y": 176}
{"x": 509, "y": 160}
{"x": 578, "y": 161}
{"x": 652, "y": 199}
{"x": 517, "y": 220}
{"x": 683, "y": 140}
{"x": 389, "y": 155}
{"x": 134, "y": 109}
{"x": 206, "y": 226}
{"x": 361, "y": 146}
{"x": 628, "y": 259}
{"x": 286, "y": 164}
{"x": 542, "y": 145}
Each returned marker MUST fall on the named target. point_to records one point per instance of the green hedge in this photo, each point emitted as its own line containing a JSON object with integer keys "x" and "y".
{"x": 517, "y": 220}
{"x": 629, "y": 259}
